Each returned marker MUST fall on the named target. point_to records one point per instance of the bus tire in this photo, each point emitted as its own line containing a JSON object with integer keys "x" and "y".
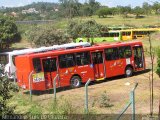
{"x": 128, "y": 71}
{"x": 75, "y": 82}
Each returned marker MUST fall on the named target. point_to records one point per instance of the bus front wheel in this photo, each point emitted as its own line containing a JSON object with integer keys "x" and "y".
{"x": 75, "y": 82}
{"x": 128, "y": 71}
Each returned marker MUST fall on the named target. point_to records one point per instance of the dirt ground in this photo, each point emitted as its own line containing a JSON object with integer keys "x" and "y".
{"x": 116, "y": 89}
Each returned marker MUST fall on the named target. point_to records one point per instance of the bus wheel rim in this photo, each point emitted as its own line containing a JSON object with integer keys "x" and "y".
{"x": 76, "y": 82}
{"x": 128, "y": 71}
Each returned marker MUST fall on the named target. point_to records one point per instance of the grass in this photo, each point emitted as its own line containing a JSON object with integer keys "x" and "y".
{"x": 119, "y": 20}
{"x": 72, "y": 101}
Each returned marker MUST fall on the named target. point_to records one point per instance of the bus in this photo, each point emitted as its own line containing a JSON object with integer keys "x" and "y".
{"x": 119, "y": 27}
{"x": 131, "y": 34}
{"x": 109, "y": 36}
{"x": 126, "y": 34}
{"x": 7, "y": 58}
{"x": 141, "y": 33}
{"x": 120, "y": 35}
{"x": 76, "y": 66}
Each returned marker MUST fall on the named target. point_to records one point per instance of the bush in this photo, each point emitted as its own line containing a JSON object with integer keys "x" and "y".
{"x": 47, "y": 36}
{"x": 6, "y": 89}
{"x": 158, "y": 62}
{"x": 104, "y": 100}
{"x": 8, "y": 31}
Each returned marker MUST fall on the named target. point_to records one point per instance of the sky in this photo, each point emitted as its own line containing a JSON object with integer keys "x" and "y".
{"x": 110, "y": 3}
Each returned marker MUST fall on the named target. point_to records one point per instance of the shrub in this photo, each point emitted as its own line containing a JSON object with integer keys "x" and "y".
{"x": 158, "y": 62}
{"x": 6, "y": 89}
{"x": 104, "y": 100}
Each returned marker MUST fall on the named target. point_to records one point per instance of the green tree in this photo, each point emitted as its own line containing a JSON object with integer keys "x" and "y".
{"x": 8, "y": 31}
{"x": 69, "y": 8}
{"x": 47, "y": 36}
{"x": 89, "y": 29}
{"x": 156, "y": 7}
{"x": 147, "y": 8}
{"x": 158, "y": 63}
{"x": 103, "y": 12}
{"x": 6, "y": 89}
{"x": 138, "y": 11}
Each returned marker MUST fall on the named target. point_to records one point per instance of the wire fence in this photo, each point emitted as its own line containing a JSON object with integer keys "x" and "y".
{"x": 106, "y": 97}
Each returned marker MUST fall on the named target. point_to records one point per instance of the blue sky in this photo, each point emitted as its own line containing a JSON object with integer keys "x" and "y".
{"x": 110, "y": 3}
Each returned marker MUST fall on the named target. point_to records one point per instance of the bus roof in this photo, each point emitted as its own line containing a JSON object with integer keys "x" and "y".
{"x": 141, "y": 29}
{"x": 43, "y": 49}
{"x": 98, "y": 46}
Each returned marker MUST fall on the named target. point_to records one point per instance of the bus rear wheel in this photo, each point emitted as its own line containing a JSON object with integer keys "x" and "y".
{"x": 75, "y": 82}
{"x": 128, "y": 71}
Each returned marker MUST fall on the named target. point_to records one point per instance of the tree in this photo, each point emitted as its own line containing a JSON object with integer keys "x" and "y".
{"x": 89, "y": 29}
{"x": 6, "y": 89}
{"x": 104, "y": 12}
{"x": 158, "y": 63}
{"x": 47, "y": 36}
{"x": 8, "y": 31}
{"x": 86, "y": 10}
{"x": 156, "y": 7}
{"x": 138, "y": 11}
{"x": 147, "y": 8}
{"x": 69, "y": 8}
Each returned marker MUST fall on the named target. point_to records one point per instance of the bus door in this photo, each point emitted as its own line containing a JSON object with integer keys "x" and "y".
{"x": 49, "y": 66}
{"x": 98, "y": 65}
{"x": 139, "y": 62}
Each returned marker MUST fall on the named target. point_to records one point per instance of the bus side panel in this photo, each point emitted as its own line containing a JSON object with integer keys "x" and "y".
{"x": 65, "y": 75}
{"x": 86, "y": 72}
{"x": 22, "y": 66}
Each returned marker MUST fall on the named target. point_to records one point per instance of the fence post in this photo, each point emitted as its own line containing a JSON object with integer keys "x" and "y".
{"x": 54, "y": 85}
{"x": 159, "y": 111}
{"x": 132, "y": 99}
{"x": 30, "y": 86}
{"x": 86, "y": 95}
{"x": 131, "y": 102}
{"x": 15, "y": 77}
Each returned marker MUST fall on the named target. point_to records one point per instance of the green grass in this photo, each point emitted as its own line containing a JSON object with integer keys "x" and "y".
{"x": 119, "y": 20}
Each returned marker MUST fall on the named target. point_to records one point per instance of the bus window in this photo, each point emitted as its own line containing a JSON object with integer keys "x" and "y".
{"x": 49, "y": 65}
{"x": 37, "y": 65}
{"x": 125, "y": 52}
{"x": 126, "y": 33}
{"x": 111, "y": 34}
{"x": 117, "y": 35}
{"x": 105, "y": 34}
{"x": 83, "y": 58}
{"x": 111, "y": 54}
{"x": 13, "y": 59}
{"x": 4, "y": 59}
{"x": 66, "y": 60}
{"x": 97, "y": 57}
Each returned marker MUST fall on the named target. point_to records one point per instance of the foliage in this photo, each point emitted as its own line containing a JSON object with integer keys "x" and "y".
{"x": 8, "y": 31}
{"x": 6, "y": 89}
{"x": 158, "y": 62}
{"x": 104, "y": 101}
{"x": 47, "y": 36}
{"x": 87, "y": 29}
{"x": 138, "y": 11}
{"x": 74, "y": 8}
{"x": 104, "y": 12}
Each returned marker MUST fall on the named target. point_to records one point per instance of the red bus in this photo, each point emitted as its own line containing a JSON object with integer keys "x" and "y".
{"x": 76, "y": 66}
